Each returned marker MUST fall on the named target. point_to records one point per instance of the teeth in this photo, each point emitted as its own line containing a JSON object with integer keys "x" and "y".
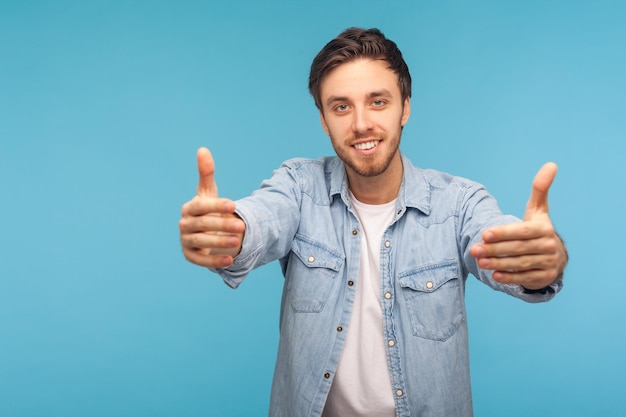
{"x": 366, "y": 145}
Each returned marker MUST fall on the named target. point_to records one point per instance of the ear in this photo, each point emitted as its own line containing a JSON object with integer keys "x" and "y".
{"x": 406, "y": 111}
{"x": 324, "y": 125}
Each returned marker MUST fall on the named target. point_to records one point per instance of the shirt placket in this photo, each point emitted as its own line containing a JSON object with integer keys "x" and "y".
{"x": 388, "y": 296}
{"x": 353, "y": 241}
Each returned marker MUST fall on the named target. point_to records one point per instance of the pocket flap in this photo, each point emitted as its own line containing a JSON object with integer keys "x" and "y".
{"x": 315, "y": 254}
{"x": 428, "y": 278}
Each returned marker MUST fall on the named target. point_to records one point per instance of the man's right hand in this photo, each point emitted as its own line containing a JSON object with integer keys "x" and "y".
{"x": 210, "y": 233}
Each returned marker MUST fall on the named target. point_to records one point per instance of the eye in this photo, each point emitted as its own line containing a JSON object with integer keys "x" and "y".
{"x": 378, "y": 103}
{"x": 341, "y": 108}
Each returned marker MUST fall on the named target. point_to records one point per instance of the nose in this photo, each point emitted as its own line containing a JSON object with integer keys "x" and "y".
{"x": 361, "y": 122}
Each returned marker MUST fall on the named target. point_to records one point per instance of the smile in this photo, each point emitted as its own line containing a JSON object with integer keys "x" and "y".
{"x": 366, "y": 145}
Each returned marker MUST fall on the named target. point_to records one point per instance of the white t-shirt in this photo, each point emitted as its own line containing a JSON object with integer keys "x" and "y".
{"x": 362, "y": 385}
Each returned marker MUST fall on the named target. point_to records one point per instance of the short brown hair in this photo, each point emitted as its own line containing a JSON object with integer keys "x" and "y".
{"x": 356, "y": 43}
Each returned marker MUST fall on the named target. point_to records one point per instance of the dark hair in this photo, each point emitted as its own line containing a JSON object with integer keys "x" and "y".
{"x": 356, "y": 43}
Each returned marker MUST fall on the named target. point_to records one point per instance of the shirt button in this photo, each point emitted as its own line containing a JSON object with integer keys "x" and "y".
{"x": 350, "y": 283}
{"x": 311, "y": 259}
{"x": 391, "y": 343}
{"x": 387, "y": 244}
{"x": 399, "y": 393}
{"x": 355, "y": 232}
{"x": 326, "y": 375}
{"x": 387, "y": 295}
{"x": 340, "y": 329}
{"x": 429, "y": 285}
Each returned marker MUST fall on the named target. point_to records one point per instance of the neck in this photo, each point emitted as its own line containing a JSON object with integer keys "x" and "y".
{"x": 379, "y": 189}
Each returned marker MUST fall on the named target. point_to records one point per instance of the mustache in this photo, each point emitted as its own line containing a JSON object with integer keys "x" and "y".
{"x": 367, "y": 135}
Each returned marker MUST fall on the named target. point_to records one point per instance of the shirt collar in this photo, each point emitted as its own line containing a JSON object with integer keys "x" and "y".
{"x": 415, "y": 190}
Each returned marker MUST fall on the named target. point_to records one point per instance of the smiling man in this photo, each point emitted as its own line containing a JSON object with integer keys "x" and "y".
{"x": 375, "y": 252}
{"x": 363, "y": 112}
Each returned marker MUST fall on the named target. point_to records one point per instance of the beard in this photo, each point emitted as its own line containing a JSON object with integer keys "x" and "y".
{"x": 370, "y": 165}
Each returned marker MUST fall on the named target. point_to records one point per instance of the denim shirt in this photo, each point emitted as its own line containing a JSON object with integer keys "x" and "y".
{"x": 303, "y": 217}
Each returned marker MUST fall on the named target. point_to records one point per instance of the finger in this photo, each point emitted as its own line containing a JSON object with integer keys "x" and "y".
{"x": 200, "y": 205}
{"x": 210, "y": 241}
{"x": 199, "y": 257}
{"x": 206, "y": 173}
{"x": 532, "y": 280}
{"x": 212, "y": 223}
{"x": 515, "y": 247}
{"x": 518, "y": 231}
{"x": 538, "y": 201}
{"x": 518, "y": 263}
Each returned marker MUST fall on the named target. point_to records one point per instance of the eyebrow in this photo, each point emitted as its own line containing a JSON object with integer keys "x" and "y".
{"x": 383, "y": 92}
{"x": 379, "y": 93}
{"x": 333, "y": 99}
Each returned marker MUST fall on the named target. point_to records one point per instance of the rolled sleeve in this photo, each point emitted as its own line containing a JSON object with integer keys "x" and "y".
{"x": 271, "y": 215}
{"x": 481, "y": 211}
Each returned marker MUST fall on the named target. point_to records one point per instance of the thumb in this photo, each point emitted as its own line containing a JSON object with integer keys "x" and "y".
{"x": 538, "y": 201}
{"x": 206, "y": 171}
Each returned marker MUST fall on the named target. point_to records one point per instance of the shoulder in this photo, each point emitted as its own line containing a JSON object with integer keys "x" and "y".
{"x": 323, "y": 164}
{"x": 436, "y": 180}
{"x": 442, "y": 180}
{"x": 439, "y": 194}
{"x": 327, "y": 170}
{"x": 318, "y": 178}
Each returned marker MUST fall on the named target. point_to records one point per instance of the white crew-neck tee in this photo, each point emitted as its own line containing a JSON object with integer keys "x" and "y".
{"x": 362, "y": 385}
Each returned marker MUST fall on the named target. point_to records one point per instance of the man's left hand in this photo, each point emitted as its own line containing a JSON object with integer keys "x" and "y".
{"x": 529, "y": 253}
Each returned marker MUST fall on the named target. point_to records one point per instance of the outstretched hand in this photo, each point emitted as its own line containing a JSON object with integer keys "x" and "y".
{"x": 529, "y": 253}
{"x": 210, "y": 233}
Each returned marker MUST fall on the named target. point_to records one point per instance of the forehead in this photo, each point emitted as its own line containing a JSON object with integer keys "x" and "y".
{"x": 358, "y": 78}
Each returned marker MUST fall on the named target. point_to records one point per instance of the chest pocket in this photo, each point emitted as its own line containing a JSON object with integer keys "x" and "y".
{"x": 311, "y": 273}
{"x": 434, "y": 300}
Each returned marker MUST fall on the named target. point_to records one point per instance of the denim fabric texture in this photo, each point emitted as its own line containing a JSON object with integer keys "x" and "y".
{"x": 303, "y": 217}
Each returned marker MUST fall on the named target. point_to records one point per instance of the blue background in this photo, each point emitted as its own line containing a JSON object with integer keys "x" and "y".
{"x": 104, "y": 103}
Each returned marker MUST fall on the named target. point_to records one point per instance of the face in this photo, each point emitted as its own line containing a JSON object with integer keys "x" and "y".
{"x": 363, "y": 113}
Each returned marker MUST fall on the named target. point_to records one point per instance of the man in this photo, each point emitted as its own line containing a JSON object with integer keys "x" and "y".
{"x": 375, "y": 252}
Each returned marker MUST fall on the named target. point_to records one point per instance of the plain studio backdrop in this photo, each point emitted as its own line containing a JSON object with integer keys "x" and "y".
{"x": 103, "y": 105}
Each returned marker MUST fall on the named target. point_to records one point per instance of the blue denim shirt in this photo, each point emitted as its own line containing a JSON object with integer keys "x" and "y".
{"x": 303, "y": 217}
